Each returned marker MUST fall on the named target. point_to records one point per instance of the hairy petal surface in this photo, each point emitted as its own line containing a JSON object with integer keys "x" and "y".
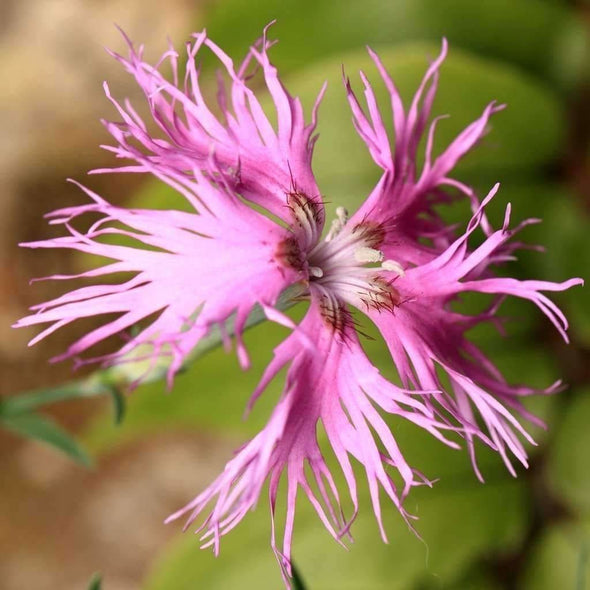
{"x": 333, "y": 383}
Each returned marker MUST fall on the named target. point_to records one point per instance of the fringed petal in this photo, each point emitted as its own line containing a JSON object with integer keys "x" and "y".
{"x": 193, "y": 270}
{"x": 404, "y": 201}
{"x": 424, "y": 335}
{"x": 262, "y": 163}
{"x": 334, "y": 384}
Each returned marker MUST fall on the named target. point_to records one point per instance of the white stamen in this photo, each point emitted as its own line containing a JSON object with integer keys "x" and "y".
{"x": 338, "y": 223}
{"x": 342, "y": 214}
{"x": 394, "y": 267}
{"x": 316, "y": 271}
{"x": 366, "y": 255}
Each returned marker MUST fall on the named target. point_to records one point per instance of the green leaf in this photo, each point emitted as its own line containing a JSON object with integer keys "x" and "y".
{"x": 544, "y": 38}
{"x": 467, "y": 84}
{"x": 31, "y": 400}
{"x": 458, "y": 526}
{"x": 95, "y": 582}
{"x": 45, "y": 430}
{"x": 119, "y": 405}
{"x": 559, "y": 559}
{"x": 95, "y": 385}
{"x": 568, "y": 466}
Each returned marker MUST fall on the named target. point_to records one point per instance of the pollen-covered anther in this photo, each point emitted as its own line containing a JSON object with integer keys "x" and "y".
{"x": 366, "y": 255}
{"x": 393, "y": 266}
{"x": 338, "y": 223}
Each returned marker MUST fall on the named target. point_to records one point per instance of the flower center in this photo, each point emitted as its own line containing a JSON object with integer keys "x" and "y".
{"x": 347, "y": 266}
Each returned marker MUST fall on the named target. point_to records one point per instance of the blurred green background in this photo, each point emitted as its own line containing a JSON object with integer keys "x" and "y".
{"x": 529, "y": 533}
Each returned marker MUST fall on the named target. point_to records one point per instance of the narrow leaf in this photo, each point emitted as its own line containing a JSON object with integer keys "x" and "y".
{"x": 23, "y": 403}
{"x": 95, "y": 582}
{"x": 119, "y": 404}
{"x": 47, "y": 431}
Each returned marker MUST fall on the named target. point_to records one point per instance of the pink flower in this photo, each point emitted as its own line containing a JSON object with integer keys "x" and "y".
{"x": 394, "y": 260}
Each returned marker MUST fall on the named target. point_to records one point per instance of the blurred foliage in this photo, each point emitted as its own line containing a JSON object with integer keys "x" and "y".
{"x": 95, "y": 582}
{"x": 45, "y": 430}
{"x": 560, "y": 559}
{"x": 16, "y": 413}
{"x": 544, "y": 38}
{"x": 515, "y": 53}
{"x": 568, "y": 470}
{"x": 448, "y": 517}
{"x": 532, "y": 55}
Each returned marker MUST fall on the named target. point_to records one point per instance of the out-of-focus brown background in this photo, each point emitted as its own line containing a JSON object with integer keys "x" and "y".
{"x": 59, "y": 523}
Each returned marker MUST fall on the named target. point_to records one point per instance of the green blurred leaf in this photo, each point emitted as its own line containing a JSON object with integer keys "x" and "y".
{"x": 467, "y": 84}
{"x": 458, "y": 526}
{"x": 95, "y": 582}
{"x": 568, "y": 466}
{"x": 30, "y": 400}
{"x": 119, "y": 405}
{"x": 45, "y": 430}
{"x": 582, "y": 570}
{"x": 479, "y": 580}
{"x": 559, "y": 559}
{"x": 23, "y": 403}
{"x": 297, "y": 579}
{"x": 547, "y": 39}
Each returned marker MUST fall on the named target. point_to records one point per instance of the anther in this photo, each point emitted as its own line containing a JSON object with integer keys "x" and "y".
{"x": 342, "y": 214}
{"x": 366, "y": 255}
{"x": 338, "y": 223}
{"x": 393, "y": 266}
